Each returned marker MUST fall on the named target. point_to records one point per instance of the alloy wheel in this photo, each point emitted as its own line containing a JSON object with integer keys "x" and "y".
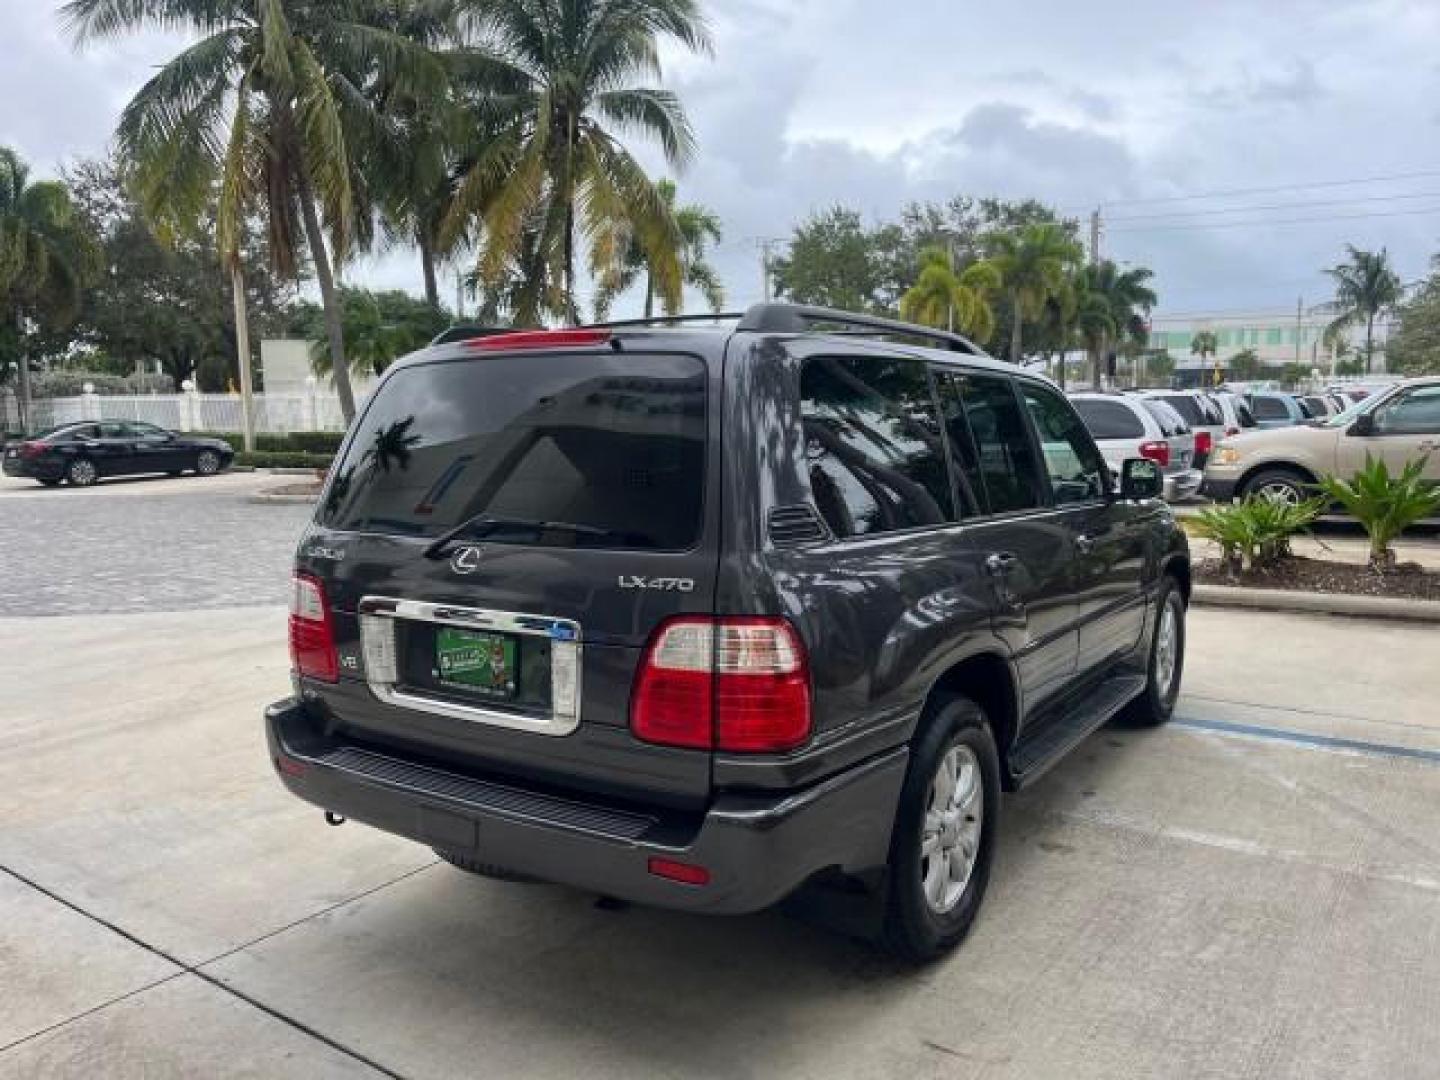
{"x": 951, "y": 829}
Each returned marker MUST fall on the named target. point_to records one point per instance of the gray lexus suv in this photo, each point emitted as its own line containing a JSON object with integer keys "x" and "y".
{"x": 697, "y": 613}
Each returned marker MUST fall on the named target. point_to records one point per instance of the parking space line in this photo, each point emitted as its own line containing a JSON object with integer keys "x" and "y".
{"x": 1323, "y": 742}
{"x": 194, "y": 969}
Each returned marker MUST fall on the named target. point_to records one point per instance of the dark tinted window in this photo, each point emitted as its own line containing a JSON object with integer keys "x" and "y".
{"x": 114, "y": 429}
{"x": 146, "y": 431}
{"x": 990, "y": 441}
{"x": 873, "y": 445}
{"x": 1109, "y": 419}
{"x": 1269, "y": 408}
{"x": 1244, "y": 415}
{"x": 69, "y": 433}
{"x": 1171, "y": 422}
{"x": 1075, "y": 468}
{"x": 613, "y": 444}
{"x": 1213, "y": 416}
{"x": 1188, "y": 407}
{"x": 1413, "y": 413}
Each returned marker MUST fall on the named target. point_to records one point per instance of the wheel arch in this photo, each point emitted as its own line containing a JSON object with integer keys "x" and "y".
{"x": 1283, "y": 465}
{"x": 988, "y": 679}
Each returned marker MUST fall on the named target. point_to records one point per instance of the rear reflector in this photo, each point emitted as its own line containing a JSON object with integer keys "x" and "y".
{"x": 291, "y": 767}
{"x": 312, "y": 630}
{"x": 539, "y": 339}
{"x": 738, "y": 683}
{"x": 678, "y": 871}
{"x": 1158, "y": 452}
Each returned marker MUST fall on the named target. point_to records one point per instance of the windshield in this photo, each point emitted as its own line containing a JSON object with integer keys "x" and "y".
{"x": 1346, "y": 418}
{"x": 602, "y": 450}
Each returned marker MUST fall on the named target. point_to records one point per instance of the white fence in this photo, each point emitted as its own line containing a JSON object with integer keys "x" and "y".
{"x": 189, "y": 411}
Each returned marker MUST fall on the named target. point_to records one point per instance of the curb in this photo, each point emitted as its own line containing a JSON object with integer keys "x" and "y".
{"x": 1367, "y": 607}
{"x": 262, "y": 499}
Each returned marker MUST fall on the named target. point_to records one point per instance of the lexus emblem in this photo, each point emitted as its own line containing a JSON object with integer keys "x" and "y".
{"x": 466, "y": 560}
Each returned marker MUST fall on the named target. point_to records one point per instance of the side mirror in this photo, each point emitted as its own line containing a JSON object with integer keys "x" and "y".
{"x": 1364, "y": 424}
{"x": 1140, "y": 479}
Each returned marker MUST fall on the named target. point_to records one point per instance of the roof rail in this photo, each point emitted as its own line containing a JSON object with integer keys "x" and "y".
{"x": 781, "y": 318}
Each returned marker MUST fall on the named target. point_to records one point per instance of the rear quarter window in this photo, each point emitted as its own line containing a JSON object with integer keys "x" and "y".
{"x": 611, "y": 445}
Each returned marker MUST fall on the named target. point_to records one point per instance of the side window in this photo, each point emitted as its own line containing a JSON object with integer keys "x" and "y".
{"x": 1109, "y": 419}
{"x": 1415, "y": 413}
{"x": 990, "y": 442}
{"x": 1076, "y": 469}
{"x": 114, "y": 430}
{"x": 873, "y": 445}
{"x": 145, "y": 431}
{"x": 1244, "y": 415}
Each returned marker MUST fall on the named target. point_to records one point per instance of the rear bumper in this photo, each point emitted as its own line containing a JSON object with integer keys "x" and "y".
{"x": 32, "y": 469}
{"x": 756, "y": 848}
{"x": 1182, "y": 485}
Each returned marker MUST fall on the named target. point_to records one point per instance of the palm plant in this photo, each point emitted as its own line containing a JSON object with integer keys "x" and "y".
{"x": 1127, "y": 299}
{"x": 1256, "y": 532}
{"x": 566, "y": 72}
{"x": 271, "y": 106}
{"x": 1032, "y": 264}
{"x": 951, "y": 300}
{"x": 45, "y": 257}
{"x": 1385, "y": 505}
{"x": 1365, "y": 288}
{"x": 698, "y": 227}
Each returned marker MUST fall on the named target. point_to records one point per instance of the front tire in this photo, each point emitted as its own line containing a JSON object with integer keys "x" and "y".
{"x": 82, "y": 472}
{"x": 1166, "y": 663}
{"x": 1278, "y": 485}
{"x": 946, "y": 827}
{"x": 207, "y": 463}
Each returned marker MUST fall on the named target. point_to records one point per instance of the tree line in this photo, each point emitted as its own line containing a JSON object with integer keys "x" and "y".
{"x": 1012, "y": 276}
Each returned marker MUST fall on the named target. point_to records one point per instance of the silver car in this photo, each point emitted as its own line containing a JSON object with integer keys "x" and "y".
{"x": 1132, "y": 425}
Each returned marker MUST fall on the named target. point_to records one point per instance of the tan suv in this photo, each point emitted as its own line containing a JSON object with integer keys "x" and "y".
{"x": 1399, "y": 424}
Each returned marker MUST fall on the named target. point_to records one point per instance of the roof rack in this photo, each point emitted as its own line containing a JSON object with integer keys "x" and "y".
{"x": 781, "y": 318}
{"x": 667, "y": 320}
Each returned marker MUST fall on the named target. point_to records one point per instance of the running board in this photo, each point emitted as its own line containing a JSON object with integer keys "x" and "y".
{"x": 1033, "y": 756}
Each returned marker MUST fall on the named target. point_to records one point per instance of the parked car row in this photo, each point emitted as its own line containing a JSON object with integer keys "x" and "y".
{"x": 1399, "y": 423}
{"x": 81, "y": 454}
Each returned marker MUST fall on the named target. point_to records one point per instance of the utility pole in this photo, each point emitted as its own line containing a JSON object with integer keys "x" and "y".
{"x": 1095, "y": 236}
{"x": 1299, "y": 316}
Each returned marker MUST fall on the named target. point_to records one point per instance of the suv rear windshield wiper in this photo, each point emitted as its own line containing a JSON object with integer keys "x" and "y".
{"x": 483, "y": 523}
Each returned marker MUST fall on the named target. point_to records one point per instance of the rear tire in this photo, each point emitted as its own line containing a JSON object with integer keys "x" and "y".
{"x": 945, "y": 832}
{"x": 1166, "y": 663}
{"x": 82, "y": 472}
{"x": 482, "y": 869}
{"x": 1281, "y": 485}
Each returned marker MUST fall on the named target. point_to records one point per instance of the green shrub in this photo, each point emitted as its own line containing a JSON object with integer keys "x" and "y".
{"x": 1385, "y": 505}
{"x": 289, "y": 459}
{"x": 1257, "y": 531}
{"x": 302, "y": 442}
{"x": 53, "y": 384}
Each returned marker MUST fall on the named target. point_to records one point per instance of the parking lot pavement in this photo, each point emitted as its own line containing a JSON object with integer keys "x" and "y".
{"x": 1252, "y": 891}
{"x": 143, "y": 545}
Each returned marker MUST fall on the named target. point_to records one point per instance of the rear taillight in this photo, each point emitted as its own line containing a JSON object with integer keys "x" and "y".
{"x": 31, "y": 449}
{"x": 740, "y": 684}
{"x": 1202, "y": 442}
{"x": 312, "y": 630}
{"x": 1158, "y": 452}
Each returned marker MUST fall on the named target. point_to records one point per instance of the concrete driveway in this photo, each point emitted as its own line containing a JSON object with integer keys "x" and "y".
{"x": 1252, "y": 891}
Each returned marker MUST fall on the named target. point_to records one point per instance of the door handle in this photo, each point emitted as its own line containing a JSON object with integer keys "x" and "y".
{"x": 1000, "y": 563}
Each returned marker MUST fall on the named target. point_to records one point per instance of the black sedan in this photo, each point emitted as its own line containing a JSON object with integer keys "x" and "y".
{"x": 82, "y": 453}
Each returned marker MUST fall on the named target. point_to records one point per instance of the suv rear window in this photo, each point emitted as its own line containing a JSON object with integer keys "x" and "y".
{"x": 1269, "y": 408}
{"x": 1109, "y": 419}
{"x": 1188, "y": 408}
{"x": 1171, "y": 422}
{"x": 611, "y": 445}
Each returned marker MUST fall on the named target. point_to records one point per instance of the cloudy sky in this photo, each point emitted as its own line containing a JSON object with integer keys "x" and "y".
{"x": 1133, "y": 106}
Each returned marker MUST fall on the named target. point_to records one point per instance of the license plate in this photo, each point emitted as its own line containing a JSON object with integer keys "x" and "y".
{"x": 479, "y": 663}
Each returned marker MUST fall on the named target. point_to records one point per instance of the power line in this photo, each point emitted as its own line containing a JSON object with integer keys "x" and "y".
{"x": 1277, "y": 188}
{"x": 1277, "y": 206}
{"x": 1263, "y": 223}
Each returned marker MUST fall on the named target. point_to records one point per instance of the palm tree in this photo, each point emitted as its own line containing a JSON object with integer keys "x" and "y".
{"x": 1032, "y": 264}
{"x": 271, "y": 105}
{"x": 1204, "y": 345}
{"x": 565, "y": 72}
{"x": 45, "y": 259}
{"x": 1127, "y": 298}
{"x": 698, "y": 228}
{"x": 948, "y": 300}
{"x": 1365, "y": 288}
